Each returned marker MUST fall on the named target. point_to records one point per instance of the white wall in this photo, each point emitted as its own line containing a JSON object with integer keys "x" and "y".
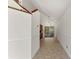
{"x": 35, "y": 33}
{"x": 64, "y": 31}
{"x": 19, "y": 35}
{"x": 45, "y": 20}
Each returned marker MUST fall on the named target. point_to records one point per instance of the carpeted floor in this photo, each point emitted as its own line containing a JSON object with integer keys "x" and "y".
{"x": 50, "y": 49}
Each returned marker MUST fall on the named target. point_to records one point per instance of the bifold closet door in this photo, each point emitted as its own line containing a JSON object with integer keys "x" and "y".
{"x": 19, "y": 34}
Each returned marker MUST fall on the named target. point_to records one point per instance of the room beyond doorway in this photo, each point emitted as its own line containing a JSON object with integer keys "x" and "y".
{"x": 49, "y": 31}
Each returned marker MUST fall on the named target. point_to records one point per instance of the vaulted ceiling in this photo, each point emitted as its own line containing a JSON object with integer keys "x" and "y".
{"x": 54, "y": 8}
{"x": 28, "y": 4}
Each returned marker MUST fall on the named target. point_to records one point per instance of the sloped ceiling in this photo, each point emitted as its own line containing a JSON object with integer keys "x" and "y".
{"x": 54, "y": 8}
{"x": 28, "y": 4}
{"x": 12, "y": 3}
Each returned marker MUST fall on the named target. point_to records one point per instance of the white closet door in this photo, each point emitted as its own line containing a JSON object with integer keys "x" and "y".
{"x": 19, "y": 43}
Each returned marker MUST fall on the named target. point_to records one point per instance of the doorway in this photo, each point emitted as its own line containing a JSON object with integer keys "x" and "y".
{"x": 49, "y": 31}
{"x": 41, "y": 31}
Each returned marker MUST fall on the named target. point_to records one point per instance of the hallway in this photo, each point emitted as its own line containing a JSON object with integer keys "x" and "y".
{"x": 50, "y": 49}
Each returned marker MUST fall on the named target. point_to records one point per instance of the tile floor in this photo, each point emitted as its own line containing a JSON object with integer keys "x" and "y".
{"x": 50, "y": 49}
